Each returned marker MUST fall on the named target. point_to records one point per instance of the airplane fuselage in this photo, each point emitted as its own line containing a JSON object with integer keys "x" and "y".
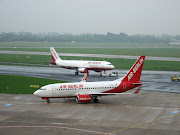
{"x": 90, "y": 65}
{"x": 80, "y": 65}
{"x": 62, "y": 90}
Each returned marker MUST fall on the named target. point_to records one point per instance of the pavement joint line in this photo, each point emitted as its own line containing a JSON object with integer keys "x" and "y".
{"x": 144, "y": 123}
{"x": 77, "y": 129}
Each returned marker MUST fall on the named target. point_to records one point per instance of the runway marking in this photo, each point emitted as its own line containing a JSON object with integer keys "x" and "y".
{"x": 158, "y": 119}
{"x": 77, "y": 129}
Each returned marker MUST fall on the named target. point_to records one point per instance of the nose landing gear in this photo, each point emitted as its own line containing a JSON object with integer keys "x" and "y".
{"x": 48, "y": 101}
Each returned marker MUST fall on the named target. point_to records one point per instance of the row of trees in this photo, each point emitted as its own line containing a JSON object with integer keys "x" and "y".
{"x": 109, "y": 37}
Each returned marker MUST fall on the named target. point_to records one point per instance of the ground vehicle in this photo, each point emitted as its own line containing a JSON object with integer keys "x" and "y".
{"x": 109, "y": 74}
{"x": 175, "y": 78}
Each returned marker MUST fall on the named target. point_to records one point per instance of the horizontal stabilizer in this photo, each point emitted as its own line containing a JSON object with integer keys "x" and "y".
{"x": 137, "y": 83}
{"x": 138, "y": 89}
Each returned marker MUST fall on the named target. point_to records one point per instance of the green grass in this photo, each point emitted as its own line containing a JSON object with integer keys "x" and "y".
{"x": 118, "y": 63}
{"x": 21, "y": 84}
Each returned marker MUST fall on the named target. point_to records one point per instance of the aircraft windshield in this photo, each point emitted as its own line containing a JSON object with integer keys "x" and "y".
{"x": 42, "y": 89}
{"x": 109, "y": 64}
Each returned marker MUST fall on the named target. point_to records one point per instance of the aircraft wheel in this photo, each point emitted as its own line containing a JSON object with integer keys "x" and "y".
{"x": 76, "y": 73}
{"x": 77, "y": 99}
{"x": 48, "y": 101}
{"x": 95, "y": 100}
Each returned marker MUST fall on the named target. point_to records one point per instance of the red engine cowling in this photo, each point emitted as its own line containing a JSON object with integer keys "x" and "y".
{"x": 83, "y": 98}
{"x": 82, "y": 70}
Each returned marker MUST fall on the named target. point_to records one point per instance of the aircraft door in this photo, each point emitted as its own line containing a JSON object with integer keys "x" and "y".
{"x": 53, "y": 90}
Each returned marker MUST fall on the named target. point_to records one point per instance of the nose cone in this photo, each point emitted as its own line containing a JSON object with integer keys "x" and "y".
{"x": 112, "y": 67}
{"x": 36, "y": 93}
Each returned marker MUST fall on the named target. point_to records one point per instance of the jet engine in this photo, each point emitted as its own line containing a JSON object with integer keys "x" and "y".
{"x": 98, "y": 70}
{"x": 83, "y": 98}
{"x": 82, "y": 70}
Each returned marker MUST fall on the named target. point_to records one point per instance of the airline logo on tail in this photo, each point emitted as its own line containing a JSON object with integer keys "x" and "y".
{"x": 54, "y": 54}
{"x": 134, "y": 70}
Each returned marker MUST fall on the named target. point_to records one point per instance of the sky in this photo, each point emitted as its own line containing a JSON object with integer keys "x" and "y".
{"x": 91, "y": 16}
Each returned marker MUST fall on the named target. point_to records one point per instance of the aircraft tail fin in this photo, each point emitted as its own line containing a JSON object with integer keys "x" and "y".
{"x": 134, "y": 73}
{"x": 54, "y": 54}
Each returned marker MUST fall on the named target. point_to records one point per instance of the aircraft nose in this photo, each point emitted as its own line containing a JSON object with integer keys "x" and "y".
{"x": 113, "y": 67}
{"x": 36, "y": 92}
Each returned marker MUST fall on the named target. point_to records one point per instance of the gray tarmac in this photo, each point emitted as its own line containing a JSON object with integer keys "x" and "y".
{"x": 154, "y": 111}
{"x": 92, "y": 55}
{"x": 146, "y": 113}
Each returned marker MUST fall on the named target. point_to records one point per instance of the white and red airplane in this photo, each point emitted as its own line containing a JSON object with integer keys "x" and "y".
{"x": 89, "y": 91}
{"x": 80, "y": 65}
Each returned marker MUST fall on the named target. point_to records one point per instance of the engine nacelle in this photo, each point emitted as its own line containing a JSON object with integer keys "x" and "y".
{"x": 82, "y": 70}
{"x": 98, "y": 70}
{"x": 83, "y": 98}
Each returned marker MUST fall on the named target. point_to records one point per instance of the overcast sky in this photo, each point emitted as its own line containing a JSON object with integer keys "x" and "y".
{"x": 91, "y": 16}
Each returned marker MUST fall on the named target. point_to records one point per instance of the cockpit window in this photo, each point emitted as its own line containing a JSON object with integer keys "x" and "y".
{"x": 42, "y": 89}
{"x": 109, "y": 64}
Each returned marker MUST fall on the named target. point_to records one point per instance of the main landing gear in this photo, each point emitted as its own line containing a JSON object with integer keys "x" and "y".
{"x": 76, "y": 73}
{"x": 95, "y": 100}
{"x": 102, "y": 73}
{"x": 48, "y": 101}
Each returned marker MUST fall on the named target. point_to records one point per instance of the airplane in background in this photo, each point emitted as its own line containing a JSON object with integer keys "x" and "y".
{"x": 80, "y": 65}
{"x": 89, "y": 91}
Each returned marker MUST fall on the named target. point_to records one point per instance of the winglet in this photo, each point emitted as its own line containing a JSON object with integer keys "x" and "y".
{"x": 84, "y": 78}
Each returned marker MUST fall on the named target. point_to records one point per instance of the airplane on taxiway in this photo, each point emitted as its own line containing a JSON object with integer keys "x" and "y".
{"x": 80, "y": 65}
{"x": 89, "y": 91}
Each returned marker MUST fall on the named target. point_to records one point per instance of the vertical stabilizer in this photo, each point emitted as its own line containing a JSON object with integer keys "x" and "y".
{"x": 54, "y": 54}
{"x": 134, "y": 73}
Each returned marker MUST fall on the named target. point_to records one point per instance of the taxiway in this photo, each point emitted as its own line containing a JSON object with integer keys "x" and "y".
{"x": 92, "y": 55}
{"x": 146, "y": 113}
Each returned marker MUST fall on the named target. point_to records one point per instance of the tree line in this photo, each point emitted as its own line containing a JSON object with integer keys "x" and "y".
{"x": 109, "y": 37}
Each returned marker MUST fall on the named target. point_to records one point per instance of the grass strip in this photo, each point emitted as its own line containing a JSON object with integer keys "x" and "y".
{"x": 155, "y": 52}
{"x": 118, "y": 63}
{"x": 21, "y": 84}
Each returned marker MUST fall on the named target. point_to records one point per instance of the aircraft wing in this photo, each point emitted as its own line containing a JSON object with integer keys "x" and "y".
{"x": 105, "y": 94}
